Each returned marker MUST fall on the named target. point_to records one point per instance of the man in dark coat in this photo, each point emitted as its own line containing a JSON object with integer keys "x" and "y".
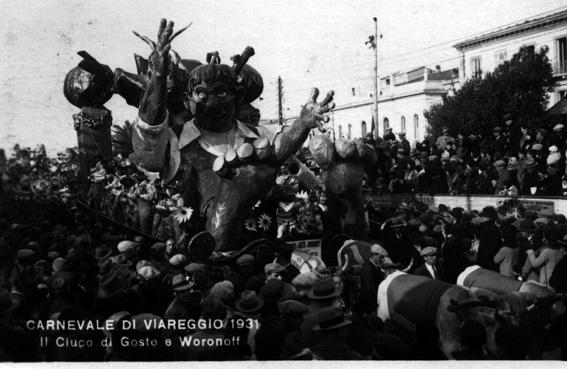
{"x": 371, "y": 275}
{"x": 429, "y": 268}
{"x": 490, "y": 240}
{"x": 332, "y": 346}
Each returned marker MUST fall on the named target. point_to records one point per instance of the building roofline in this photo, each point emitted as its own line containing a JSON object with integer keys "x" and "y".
{"x": 521, "y": 27}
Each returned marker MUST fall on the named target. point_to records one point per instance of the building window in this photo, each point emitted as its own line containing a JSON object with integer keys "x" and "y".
{"x": 475, "y": 68}
{"x": 500, "y": 57}
{"x": 561, "y": 55}
{"x": 349, "y": 131}
{"x": 403, "y": 125}
{"x": 353, "y": 91}
{"x": 386, "y": 124}
{"x": 340, "y": 131}
{"x": 363, "y": 128}
{"x": 415, "y": 125}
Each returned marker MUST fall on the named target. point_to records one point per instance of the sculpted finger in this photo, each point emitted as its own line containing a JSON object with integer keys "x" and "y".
{"x": 321, "y": 117}
{"x": 162, "y": 24}
{"x": 326, "y": 108}
{"x": 179, "y": 32}
{"x": 328, "y": 98}
{"x": 314, "y": 94}
{"x": 146, "y": 40}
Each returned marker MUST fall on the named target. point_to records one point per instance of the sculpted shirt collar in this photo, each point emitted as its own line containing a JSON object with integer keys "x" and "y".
{"x": 191, "y": 132}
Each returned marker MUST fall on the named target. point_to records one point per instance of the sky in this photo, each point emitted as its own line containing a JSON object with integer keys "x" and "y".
{"x": 315, "y": 43}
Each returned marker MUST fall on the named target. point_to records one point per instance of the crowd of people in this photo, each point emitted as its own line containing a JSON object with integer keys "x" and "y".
{"x": 62, "y": 262}
{"x": 515, "y": 159}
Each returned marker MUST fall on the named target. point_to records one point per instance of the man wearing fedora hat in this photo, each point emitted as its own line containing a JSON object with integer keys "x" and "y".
{"x": 371, "y": 274}
{"x": 531, "y": 180}
{"x": 325, "y": 293}
{"x": 429, "y": 268}
{"x": 444, "y": 139}
{"x": 332, "y": 346}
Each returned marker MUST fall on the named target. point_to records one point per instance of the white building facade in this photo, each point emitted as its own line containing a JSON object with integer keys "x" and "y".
{"x": 484, "y": 53}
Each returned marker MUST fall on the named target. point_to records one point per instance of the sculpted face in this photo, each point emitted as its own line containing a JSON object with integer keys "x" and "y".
{"x": 213, "y": 106}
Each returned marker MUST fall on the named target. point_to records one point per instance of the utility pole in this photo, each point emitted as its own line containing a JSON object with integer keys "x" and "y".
{"x": 280, "y": 101}
{"x": 373, "y": 44}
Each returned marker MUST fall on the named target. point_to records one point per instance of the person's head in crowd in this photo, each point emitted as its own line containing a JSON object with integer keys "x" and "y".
{"x": 293, "y": 311}
{"x": 169, "y": 247}
{"x": 445, "y": 131}
{"x": 497, "y": 131}
{"x": 224, "y": 291}
{"x": 178, "y": 262}
{"x": 248, "y": 303}
{"x": 378, "y": 255}
{"x": 273, "y": 271}
{"x": 540, "y": 135}
{"x": 331, "y": 321}
{"x": 530, "y": 165}
{"x": 429, "y": 255}
{"x": 304, "y": 282}
{"x": 325, "y": 292}
{"x": 128, "y": 248}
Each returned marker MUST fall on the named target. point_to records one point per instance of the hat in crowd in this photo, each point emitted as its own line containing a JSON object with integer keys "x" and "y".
{"x": 537, "y": 147}
{"x": 248, "y": 302}
{"x": 396, "y": 223}
{"x": 276, "y": 289}
{"x": 489, "y": 212}
{"x": 273, "y": 268}
{"x": 112, "y": 284}
{"x": 531, "y": 163}
{"x": 377, "y": 249}
{"x": 497, "y": 129}
{"x": 142, "y": 263}
{"x": 291, "y": 308}
{"x": 323, "y": 289}
{"x": 558, "y": 127}
{"x": 34, "y": 245}
{"x": 541, "y": 222}
{"x": 513, "y": 166}
{"x": 52, "y": 255}
{"x": 102, "y": 252}
{"x": 58, "y": 264}
{"x": 158, "y": 247}
{"x": 445, "y": 129}
{"x": 553, "y": 158}
{"x": 401, "y": 134}
{"x": 304, "y": 281}
{"x": 527, "y": 225}
{"x": 542, "y": 130}
{"x": 178, "y": 260}
{"x": 330, "y": 318}
{"x": 428, "y": 251}
{"x": 499, "y": 163}
{"x": 245, "y": 259}
{"x": 124, "y": 246}
{"x": 148, "y": 272}
{"x": 8, "y": 301}
{"x": 553, "y": 148}
{"x": 60, "y": 281}
{"x": 193, "y": 267}
{"x": 105, "y": 266}
{"x": 180, "y": 283}
{"x": 224, "y": 290}
{"x": 25, "y": 255}
{"x": 479, "y": 220}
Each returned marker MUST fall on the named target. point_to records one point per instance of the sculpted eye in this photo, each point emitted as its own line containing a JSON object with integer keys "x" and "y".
{"x": 221, "y": 94}
{"x": 202, "y": 95}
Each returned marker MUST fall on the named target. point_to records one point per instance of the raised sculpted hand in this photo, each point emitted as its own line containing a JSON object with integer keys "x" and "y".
{"x": 312, "y": 112}
{"x": 343, "y": 164}
{"x": 159, "y": 57}
{"x": 152, "y": 108}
